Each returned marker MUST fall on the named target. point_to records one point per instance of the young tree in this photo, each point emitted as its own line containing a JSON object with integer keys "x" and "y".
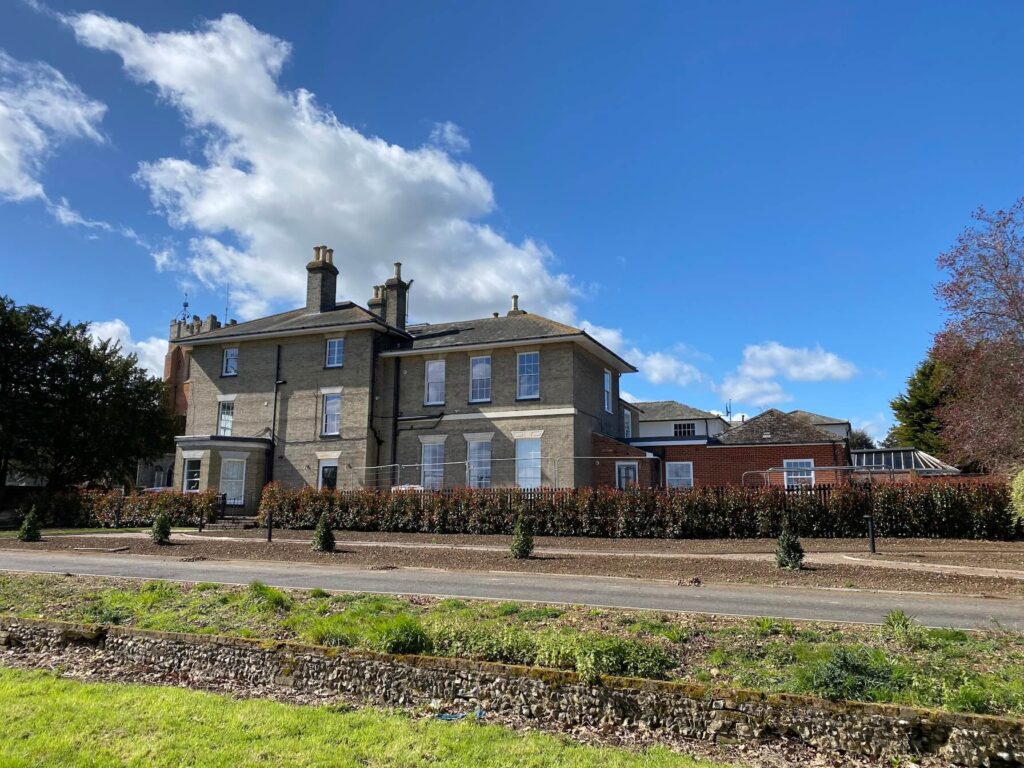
{"x": 917, "y": 410}
{"x": 860, "y": 439}
{"x": 982, "y": 345}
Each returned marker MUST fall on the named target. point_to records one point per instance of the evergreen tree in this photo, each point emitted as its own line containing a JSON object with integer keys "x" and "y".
{"x": 323, "y": 537}
{"x": 860, "y": 439}
{"x": 917, "y": 411}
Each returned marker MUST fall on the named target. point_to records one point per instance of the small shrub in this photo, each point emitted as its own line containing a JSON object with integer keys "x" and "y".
{"x": 268, "y": 596}
{"x": 318, "y": 593}
{"x": 161, "y": 531}
{"x": 1017, "y": 496}
{"x": 789, "y": 553}
{"x": 849, "y": 673}
{"x": 31, "y": 527}
{"x": 522, "y": 540}
{"x": 323, "y": 537}
{"x": 402, "y": 634}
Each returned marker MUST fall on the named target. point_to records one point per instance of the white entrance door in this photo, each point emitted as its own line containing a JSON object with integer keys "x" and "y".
{"x": 625, "y": 474}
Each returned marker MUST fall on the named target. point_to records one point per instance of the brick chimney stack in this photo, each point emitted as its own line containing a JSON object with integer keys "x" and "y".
{"x": 396, "y": 300}
{"x": 377, "y": 303}
{"x": 321, "y": 281}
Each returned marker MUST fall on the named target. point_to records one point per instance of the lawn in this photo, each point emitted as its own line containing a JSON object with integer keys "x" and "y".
{"x": 13, "y": 534}
{"x": 54, "y": 721}
{"x": 899, "y": 662}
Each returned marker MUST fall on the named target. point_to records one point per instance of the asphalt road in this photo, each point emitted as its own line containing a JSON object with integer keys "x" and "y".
{"x": 741, "y": 600}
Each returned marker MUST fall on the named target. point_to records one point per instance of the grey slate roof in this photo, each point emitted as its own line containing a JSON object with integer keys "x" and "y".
{"x": 774, "y": 427}
{"x": 670, "y": 410}
{"x": 495, "y": 330}
{"x": 817, "y": 418}
{"x": 346, "y": 313}
{"x": 489, "y": 330}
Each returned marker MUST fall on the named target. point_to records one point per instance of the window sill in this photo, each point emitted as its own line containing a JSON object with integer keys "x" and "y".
{"x": 332, "y": 367}
{"x": 434, "y": 405}
{"x": 527, "y": 399}
{"x": 480, "y": 402}
{"x": 229, "y": 375}
{"x": 327, "y": 435}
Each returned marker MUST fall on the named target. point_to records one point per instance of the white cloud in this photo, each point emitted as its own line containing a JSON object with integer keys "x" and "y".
{"x": 744, "y": 389}
{"x": 449, "y": 137}
{"x": 150, "y": 352}
{"x": 877, "y": 426}
{"x": 280, "y": 173}
{"x": 39, "y": 109}
{"x": 755, "y": 379}
{"x": 656, "y": 367}
{"x": 771, "y": 359}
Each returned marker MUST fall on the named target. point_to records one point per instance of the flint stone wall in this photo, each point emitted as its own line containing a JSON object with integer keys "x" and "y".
{"x": 682, "y": 709}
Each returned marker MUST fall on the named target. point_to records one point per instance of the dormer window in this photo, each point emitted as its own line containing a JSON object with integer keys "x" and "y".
{"x": 684, "y": 429}
{"x": 229, "y": 363}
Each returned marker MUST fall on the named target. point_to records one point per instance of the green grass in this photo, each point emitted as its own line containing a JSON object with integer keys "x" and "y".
{"x": 53, "y": 721}
{"x": 898, "y": 662}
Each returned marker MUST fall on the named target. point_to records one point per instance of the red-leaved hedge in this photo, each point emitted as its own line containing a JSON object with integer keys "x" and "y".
{"x": 915, "y": 509}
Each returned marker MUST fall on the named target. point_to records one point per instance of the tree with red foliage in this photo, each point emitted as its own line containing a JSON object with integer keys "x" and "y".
{"x": 982, "y": 344}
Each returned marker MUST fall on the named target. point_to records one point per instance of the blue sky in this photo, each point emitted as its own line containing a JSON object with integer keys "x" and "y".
{"x": 745, "y": 199}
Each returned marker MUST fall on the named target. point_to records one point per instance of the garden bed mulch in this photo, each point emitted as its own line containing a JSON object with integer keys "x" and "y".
{"x": 679, "y": 569}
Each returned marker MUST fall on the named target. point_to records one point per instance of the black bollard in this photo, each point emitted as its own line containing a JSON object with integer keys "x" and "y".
{"x": 871, "y": 533}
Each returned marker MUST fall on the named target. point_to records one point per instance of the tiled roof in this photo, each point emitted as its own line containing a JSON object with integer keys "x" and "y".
{"x": 668, "y": 410}
{"x": 817, "y": 418}
{"x": 774, "y": 427}
{"x": 489, "y": 330}
{"x": 346, "y": 313}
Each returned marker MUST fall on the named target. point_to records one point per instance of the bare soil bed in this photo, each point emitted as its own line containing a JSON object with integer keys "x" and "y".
{"x": 640, "y": 566}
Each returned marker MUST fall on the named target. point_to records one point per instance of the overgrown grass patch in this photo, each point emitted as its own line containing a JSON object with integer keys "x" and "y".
{"x": 899, "y": 661}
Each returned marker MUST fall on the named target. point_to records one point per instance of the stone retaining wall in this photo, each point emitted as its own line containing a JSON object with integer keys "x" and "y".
{"x": 683, "y": 709}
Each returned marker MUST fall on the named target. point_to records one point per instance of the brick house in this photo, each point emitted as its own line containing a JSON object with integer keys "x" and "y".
{"x": 699, "y": 449}
{"x": 339, "y": 395}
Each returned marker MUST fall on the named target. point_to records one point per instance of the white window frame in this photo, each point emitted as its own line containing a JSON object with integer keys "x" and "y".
{"x": 627, "y": 423}
{"x": 324, "y": 398}
{"x": 227, "y": 357}
{"x": 234, "y": 501}
{"x": 678, "y": 482}
{"x": 478, "y": 473}
{"x": 798, "y": 470}
{"x": 525, "y": 465}
{"x": 339, "y": 357}
{"x": 636, "y": 472}
{"x": 185, "y": 478}
{"x": 473, "y": 380}
{"x": 222, "y": 406}
{"x": 608, "y": 406}
{"x": 521, "y": 377}
{"x": 427, "y": 381}
{"x": 686, "y": 429}
{"x": 432, "y": 471}
{"x": 320, "y": 472}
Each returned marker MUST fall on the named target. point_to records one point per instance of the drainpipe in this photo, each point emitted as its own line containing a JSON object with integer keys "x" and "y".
{"x": 272, "y": 452}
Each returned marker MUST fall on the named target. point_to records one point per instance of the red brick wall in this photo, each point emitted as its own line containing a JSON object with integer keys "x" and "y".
{"x": 725, "y": 465}
{"x": 604, "y": 469}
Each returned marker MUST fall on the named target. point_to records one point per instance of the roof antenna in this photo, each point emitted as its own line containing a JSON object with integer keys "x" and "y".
{"x": 728, "y": 410}
{"x": 227, "y": 302}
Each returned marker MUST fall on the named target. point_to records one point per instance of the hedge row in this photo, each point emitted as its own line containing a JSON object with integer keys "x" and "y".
{"x": 927, "y": 510}
{"x": 105, "y": 509}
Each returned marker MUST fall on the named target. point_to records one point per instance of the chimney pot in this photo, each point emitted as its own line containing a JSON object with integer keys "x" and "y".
{"x": 494, "y": 314}
{"x": 515, "y": 306}
{"x": 321, "y": 280}
{"x": 398, "y": 270}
